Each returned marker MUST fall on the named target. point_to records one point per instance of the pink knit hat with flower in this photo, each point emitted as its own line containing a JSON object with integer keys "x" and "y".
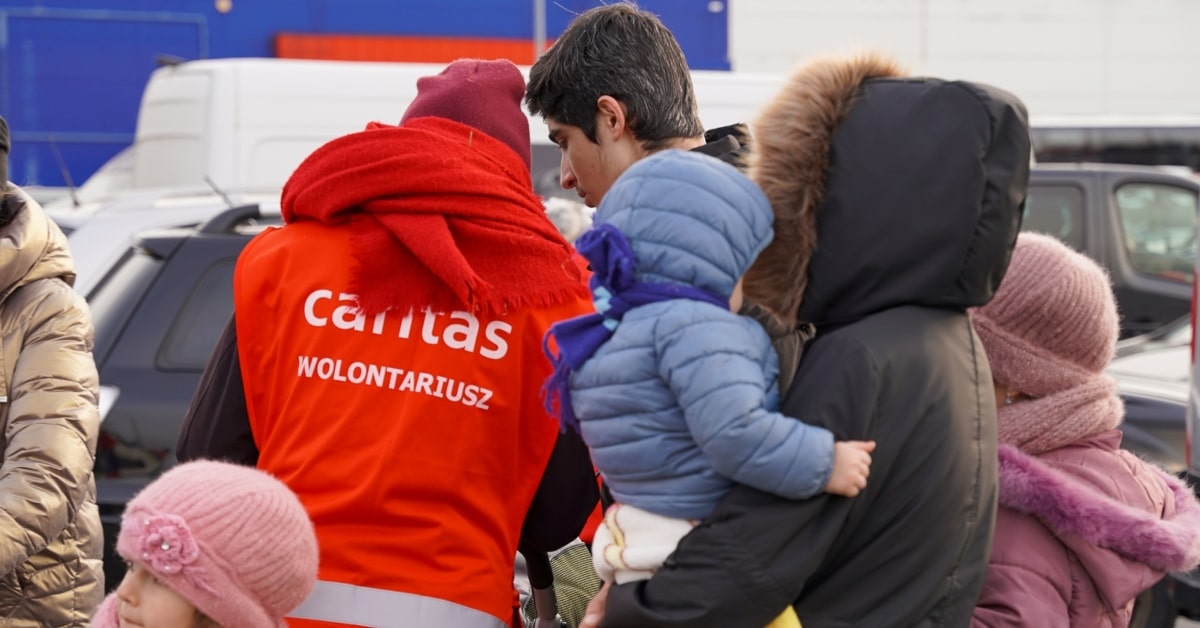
{"x": 485, "y": 95}
{"x": 232, "y": 540}
{"x": 1053, "y": 323}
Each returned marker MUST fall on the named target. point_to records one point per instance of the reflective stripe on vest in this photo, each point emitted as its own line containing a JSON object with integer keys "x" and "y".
{"x": 378, "y": 608}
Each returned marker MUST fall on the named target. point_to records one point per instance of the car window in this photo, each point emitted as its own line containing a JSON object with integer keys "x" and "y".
{"x": 113, "y": 301}
{"x": 1056, "y": 210}
{"x": 1159, "y": 226}
{"x": 200, "y": 321}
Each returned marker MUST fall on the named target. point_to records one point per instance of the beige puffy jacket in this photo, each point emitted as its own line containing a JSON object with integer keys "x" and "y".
{"x": 50, "y": 537}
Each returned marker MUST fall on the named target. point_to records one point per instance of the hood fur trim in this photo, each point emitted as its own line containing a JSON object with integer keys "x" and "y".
{"x": 789, "y": 160}
{"x": 1069, "y": 507}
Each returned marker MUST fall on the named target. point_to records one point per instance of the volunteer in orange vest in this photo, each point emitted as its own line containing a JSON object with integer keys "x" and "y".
{"x": 389, "y": 341}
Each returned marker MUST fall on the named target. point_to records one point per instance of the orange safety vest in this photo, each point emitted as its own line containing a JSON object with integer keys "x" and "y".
{"x": 415, "y": 440}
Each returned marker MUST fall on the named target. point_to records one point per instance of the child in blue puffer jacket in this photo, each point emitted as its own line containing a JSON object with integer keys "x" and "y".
{"x": 673, "y": 393}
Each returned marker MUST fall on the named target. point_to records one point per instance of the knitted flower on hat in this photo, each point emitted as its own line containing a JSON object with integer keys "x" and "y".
{"x": 166, "y": 545}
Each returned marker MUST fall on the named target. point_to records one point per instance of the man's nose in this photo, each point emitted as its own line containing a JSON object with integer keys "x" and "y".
{"x": 566, "y": 176}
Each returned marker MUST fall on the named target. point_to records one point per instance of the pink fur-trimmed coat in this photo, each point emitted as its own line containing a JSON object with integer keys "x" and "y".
{"x": 1080, "y": 532}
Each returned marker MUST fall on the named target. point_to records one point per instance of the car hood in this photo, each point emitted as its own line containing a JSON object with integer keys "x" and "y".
{"x": 1160, "y": 373}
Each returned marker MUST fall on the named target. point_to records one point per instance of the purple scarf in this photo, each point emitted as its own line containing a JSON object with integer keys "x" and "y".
{"x": 615, "y": 292}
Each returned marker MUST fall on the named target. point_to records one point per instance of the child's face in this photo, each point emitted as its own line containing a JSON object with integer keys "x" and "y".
{"x": 147, "y": 602}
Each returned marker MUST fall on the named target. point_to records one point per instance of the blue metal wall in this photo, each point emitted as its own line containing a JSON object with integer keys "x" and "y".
{"x": 72, "y": 71}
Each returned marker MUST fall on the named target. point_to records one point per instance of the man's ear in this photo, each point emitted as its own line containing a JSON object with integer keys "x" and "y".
{"x": 610, "y": 117}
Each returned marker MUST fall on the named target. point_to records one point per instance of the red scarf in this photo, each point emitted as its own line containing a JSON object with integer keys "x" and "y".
{"x": 443, "y": 216}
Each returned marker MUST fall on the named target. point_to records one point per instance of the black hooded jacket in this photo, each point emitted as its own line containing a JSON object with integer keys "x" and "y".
{"x": 897, "y": 204}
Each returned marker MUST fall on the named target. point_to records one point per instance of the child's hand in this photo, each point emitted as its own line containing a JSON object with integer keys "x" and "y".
{"x": 851, "y": 466}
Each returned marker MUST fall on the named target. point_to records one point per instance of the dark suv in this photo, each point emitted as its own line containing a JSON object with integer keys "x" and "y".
{"x": 158, "y": 314}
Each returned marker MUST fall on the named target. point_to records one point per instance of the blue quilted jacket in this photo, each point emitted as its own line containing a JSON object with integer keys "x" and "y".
{"x": 679, "y": 404}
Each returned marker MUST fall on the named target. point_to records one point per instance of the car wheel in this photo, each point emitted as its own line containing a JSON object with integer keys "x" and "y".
{"x": 1154, "y": 608}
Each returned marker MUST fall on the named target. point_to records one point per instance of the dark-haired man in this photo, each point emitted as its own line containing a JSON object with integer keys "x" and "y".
{"x": 614, "y": 88}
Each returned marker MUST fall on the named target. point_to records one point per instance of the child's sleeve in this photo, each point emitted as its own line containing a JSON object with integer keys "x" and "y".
{"x": 714, "y": 364}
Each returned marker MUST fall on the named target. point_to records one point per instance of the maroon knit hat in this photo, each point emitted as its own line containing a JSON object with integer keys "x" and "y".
{"x": 1053, "y": 323}
{"x": 485, "y": 95}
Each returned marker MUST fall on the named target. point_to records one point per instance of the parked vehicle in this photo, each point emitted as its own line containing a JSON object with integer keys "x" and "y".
{"x": 1139, "y": 222}
{"x": 1152, "y": 378}
{"x": 1185, "y": 590}
{"x": 1152, "y": 372}
{"x": 158, "y": 314}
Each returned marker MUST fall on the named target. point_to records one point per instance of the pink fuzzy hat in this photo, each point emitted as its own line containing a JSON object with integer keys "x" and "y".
{"x": 485, "y": 95}
{"x": 1053, "y": 323}
{"x": 232, "y": 540}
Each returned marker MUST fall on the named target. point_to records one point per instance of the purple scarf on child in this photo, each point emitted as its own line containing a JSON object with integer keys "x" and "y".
{"x": 615, "y": 291}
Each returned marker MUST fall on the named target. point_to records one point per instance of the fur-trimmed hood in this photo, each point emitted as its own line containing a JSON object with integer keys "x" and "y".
{"x": 887, "y": 191}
